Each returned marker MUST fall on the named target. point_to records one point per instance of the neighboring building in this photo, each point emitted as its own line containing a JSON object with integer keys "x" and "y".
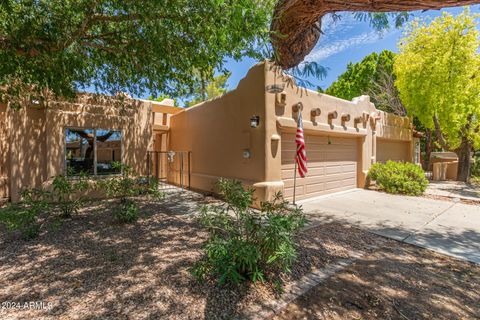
{"x": 246, "y": 134}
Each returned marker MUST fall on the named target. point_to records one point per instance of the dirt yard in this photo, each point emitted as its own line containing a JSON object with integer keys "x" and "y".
{"x": 397, "y": 281}
{"x": 91, "y": 267}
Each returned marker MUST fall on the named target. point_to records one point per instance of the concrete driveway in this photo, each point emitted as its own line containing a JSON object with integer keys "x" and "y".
{"x": 443, "y": 226}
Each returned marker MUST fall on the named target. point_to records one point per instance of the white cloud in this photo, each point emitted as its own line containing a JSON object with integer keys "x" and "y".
{"x": 333, "y": 28}
{"x": 330, "y": 48}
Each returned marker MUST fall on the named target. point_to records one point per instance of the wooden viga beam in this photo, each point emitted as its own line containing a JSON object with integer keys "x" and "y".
{"x": 296, "y": 26}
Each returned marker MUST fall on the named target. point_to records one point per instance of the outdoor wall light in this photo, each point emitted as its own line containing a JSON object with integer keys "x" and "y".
{"x": 275, "y": 88}
{"x": 246, "y": 154}
{"x": 254, "y": 121}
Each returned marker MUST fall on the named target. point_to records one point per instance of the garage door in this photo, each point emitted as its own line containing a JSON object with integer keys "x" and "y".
{"x": 332, "y": 166}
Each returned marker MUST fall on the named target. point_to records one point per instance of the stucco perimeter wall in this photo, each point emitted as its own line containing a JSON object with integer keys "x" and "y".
{"x": 394, "y": 138}
{"x": 4, "y": 153}
{"x": 37, "y": 142}
{"x": 218, "y": 132}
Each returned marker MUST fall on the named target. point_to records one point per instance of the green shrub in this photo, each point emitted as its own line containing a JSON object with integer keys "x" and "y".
{"x": 125, "y": 187}
{"x": 246, "y": 243}
{"x": 476, "y": 166}
{"x": 127, "y": 212}
{"x": 399, "y": 178}
{"x": 25, "y": 215}
{"x": 153, "y": 190}
{"x": 64, "y": 190}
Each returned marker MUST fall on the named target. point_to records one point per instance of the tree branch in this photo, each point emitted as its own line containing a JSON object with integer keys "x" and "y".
{"x": 100, "y": 47}
{"x": 439, "y": 134}
{"x": 116, "y": 18}
{"x": 294, "y": 30}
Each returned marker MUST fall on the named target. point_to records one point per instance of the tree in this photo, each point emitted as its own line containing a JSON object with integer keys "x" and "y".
{"x": 372, "y": 76}
{"x": 438, "y": 76}
{"x": 208, "y": 89}
{"x": 61, "y": 46}
{"x": 296, "y": 24}
{"x": 162, "y": 97}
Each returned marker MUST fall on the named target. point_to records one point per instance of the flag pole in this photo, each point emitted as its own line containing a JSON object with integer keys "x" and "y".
{"x": 295, "y": 179}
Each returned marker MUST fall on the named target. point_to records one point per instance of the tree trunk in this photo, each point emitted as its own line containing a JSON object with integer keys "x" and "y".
{"x": 464, "y": 153}
{"x": 296, "y": 25}
{"x": 428, "y": 149}
{"x": 439, "y": 135}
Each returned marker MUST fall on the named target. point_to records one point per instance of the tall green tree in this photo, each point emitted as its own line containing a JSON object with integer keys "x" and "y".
{"x": 62, "y": 46}
{"x": 205, "y": 89}
{"x": 438, "y": 76}
{"x": 162, "y": 97}
{"x": 372, "y": 76}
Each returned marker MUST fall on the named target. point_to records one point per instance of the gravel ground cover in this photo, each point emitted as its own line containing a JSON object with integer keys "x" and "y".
{"x": 91, "y": 267}
{"x": 396, "y": 281}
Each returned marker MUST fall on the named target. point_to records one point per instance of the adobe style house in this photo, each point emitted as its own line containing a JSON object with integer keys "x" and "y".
{"x": 343, "y": 138}
{"x": 246, "y": 134}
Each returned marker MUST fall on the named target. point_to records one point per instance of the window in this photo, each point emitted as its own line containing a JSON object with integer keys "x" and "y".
{"x": 93, "y": 151}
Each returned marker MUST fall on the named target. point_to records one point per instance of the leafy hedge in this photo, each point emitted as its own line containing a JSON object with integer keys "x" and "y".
{"x": 399, "y": 178}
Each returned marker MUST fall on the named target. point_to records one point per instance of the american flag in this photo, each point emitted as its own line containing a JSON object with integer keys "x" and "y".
{"x": 301, "y": 156}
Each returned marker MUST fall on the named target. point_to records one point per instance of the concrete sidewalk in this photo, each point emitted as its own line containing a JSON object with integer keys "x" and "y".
{"x": 443, "y": 226}
{"x": 453, "y": 189}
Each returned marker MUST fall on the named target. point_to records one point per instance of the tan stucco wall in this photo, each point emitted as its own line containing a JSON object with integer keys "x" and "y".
{"x": 393, "y": 150}
{"x": 37, "y": 145}
{"x": 217, "y": 132}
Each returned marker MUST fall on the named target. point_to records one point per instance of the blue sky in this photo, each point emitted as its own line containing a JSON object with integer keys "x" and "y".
{"x": 343, "y": 41}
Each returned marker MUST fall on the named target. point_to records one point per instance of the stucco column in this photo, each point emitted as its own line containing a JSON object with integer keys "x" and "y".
{"x": 272, "y": 183}
{"x": 363, "y": 161}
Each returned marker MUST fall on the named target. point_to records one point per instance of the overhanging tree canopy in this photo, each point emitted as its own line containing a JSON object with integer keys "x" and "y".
{"x": 296, "y": 24}
{"x": 438, "y": 76}
{"x": 122, "y": 45}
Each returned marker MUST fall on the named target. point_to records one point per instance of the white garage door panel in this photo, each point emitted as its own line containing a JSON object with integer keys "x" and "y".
{"x": 331, "y": 167}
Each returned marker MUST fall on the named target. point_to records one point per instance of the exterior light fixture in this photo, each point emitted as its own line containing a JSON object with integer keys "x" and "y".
{"x": 246, "y": 154}
{"x": 254, "y": 121}
{"x": 275, "y": 88}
